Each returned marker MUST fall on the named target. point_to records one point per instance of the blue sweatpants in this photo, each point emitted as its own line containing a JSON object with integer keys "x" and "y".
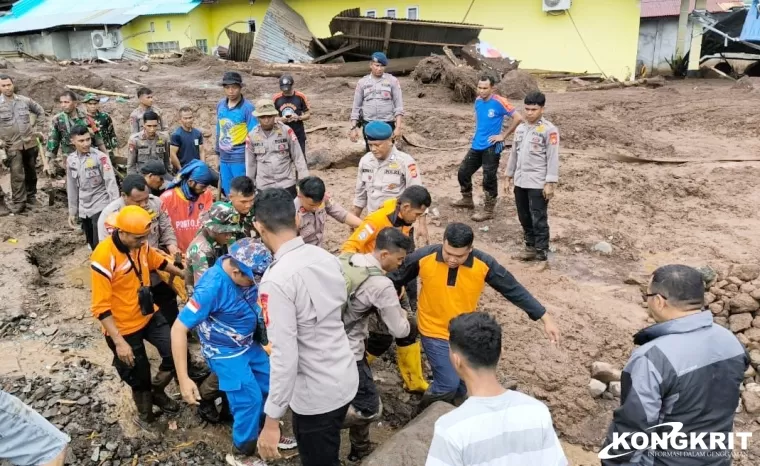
{"x": 445, "y": 378}
{"x": 228, "y": 171}
{"x": 245, "y": 381}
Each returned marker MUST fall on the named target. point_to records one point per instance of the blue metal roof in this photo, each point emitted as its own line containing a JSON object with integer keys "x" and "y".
{"x": 36, "y": 15}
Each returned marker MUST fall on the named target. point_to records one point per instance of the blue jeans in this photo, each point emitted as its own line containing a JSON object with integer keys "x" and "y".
{"x": 27, "y": 437}
{"x": 245, "y": 381}
{"x": 228, "y": 171}
{"x": 445, "y": 378}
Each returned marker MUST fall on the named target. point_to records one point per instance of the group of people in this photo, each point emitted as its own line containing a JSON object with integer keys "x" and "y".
{"x": 284, "y": 325}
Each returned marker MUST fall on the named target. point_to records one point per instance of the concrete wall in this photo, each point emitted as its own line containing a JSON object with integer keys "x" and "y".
{"x": 63, "y": 45}
{"x": 34, "y": 44}
{"x": 657, "y": 42}
{"x": 80, "y": 44}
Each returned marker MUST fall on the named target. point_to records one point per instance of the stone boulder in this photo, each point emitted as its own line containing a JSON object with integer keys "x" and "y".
{"x": 739, "y": 322}
{"x": 746, "y": 272}
{"x": 596, "y": 388}
{"x": 743, "y": 303}
{"x": 410, "y": 445}
{"x": 751, "y": 398}
{"x": 605, "y": 372}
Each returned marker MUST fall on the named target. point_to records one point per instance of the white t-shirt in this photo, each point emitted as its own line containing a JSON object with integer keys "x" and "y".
{"x": 512, "y": 429}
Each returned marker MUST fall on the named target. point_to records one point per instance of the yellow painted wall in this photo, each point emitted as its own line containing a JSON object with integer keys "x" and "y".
{"x": 185, "y": 29}
{"x": 225, "y": 12}
{"x": 610, "y": 28}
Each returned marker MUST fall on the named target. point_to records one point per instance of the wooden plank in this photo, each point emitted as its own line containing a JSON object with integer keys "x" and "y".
{"x": 330, "y": 55}
{"x": 320, "y": 44}
{"x": 128, "y": 80}
{"x": 387, "y": 38}
{"x": 421, "y": 23}
{"x": 401, "y": 41}
{"x": 97, "y": 91}
{"x": 451, "y": 56}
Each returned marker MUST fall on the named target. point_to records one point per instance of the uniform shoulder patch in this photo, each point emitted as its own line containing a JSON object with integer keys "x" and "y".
{"x": 413, "y": 170}
{"x": 193, "y": 306}
{"x": 553, "y": 138}
{"x": 264, "y": 305}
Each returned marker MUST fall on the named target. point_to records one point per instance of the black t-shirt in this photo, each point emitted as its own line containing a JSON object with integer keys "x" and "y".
{"x": 297, "y": 103}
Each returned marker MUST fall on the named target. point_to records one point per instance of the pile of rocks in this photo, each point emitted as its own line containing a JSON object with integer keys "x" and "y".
{"x": 71, "y": 403}
{"x": 605, "y": 381}
{"x": 733, "y": 296}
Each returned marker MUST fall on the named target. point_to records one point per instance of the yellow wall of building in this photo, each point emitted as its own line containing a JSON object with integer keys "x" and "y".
{"x": 610, "y": 28}
{"x": 225, "y": 12}
{"x": 185, "y": 29}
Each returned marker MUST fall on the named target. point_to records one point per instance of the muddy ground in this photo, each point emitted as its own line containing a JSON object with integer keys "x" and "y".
{"x": 695, "y": 213}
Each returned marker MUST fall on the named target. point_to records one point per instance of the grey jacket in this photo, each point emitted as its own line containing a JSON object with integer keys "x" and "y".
{"x": 686, "y": 370}
{"x": 90, "y": 183}
{"x": 376, "y": 293}
{"x": 312, "y": 368}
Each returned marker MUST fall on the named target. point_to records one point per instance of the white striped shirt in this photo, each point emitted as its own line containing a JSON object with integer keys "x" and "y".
{"x": 512, "y": 429}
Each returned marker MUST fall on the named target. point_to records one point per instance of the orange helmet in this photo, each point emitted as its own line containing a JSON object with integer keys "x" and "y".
{"x": 133, "y": 219}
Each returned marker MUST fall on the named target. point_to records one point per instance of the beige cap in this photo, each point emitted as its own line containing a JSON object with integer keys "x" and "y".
{"x": 265, "y": 107}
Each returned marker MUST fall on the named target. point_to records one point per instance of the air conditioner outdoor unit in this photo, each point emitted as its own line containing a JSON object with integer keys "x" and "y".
{"x": 101, "y": 40}
{"x": 556, "y": 5}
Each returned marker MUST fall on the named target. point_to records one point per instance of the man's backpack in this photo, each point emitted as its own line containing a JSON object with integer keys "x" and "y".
{"x": 355, "y": 275}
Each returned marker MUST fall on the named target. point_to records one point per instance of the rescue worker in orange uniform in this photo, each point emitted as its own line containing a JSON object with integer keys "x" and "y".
{"x": 398, "y": 213}
{"x": 122, "y": 302}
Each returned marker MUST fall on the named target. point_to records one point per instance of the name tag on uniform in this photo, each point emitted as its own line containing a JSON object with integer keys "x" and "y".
{"x": 197, "y": 142}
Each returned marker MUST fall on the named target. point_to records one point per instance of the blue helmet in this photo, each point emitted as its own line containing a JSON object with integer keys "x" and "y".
{"x": 252, "y": 256}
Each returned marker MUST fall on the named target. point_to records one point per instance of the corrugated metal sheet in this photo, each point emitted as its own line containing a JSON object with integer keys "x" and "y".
{"x": 241, "y": 44}
{"x": 133, "y": 55}
{"x": 659, "y": 8}
{"x": 370, "y": 34}
{"x": 283, "y": 36}
{"x": 37, "y": 15}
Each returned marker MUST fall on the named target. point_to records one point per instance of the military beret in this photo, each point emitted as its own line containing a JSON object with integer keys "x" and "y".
{"x": 380, "y": 58}
{"x": 378, "y": 131}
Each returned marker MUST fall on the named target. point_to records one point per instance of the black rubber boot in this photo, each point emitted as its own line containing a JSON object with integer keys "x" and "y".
{"x": 225, "y": 414}
{"x": 428, "y": 399}
{"x": 207, "y": 411}
{"x": 158, "y": 393}
{"x": 145, "y": 418}
{"x": 361, "y": 446}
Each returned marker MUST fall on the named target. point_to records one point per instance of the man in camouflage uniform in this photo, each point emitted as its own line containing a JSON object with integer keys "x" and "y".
{"x": 242, "y": 192}
{"x": 221, "y": 224}
{"x": 104, "y": 122}
{"x": 18, "y": 145}
{"x": 60, "y": 134}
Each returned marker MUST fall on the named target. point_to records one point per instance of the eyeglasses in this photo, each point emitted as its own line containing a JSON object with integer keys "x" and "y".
{"x": 652, "y": 295}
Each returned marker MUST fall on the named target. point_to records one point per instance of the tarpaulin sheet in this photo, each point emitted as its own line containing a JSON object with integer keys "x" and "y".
{"x": 751, "y": 29}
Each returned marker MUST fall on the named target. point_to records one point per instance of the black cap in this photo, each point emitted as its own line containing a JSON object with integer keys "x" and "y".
{"x": 286, "y": 82}
{"x": 154, "y": 167}
{"x": 232, "y": 77}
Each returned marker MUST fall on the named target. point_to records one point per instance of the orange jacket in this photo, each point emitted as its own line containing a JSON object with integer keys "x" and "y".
{"x": 363, "y": 238}
{"x": 115, "y": 283}
{"x": 184, "y": 214}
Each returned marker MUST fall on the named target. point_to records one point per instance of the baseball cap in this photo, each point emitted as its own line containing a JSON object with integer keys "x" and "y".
{"x": 90, "y": 96}
{"x": 286, "y": 82}
{"x": 251, "y": 257}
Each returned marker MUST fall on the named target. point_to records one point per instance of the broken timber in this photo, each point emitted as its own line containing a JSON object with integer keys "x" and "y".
{"x": 658, "y": 81}
{"x": 97, "y": 91}
{"x": 397, "y": 67}
{"x": 336, "y": 53}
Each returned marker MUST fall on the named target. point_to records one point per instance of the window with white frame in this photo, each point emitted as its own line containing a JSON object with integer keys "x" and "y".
{"x": 413, "y": 12}
{"x": 390, "y": 13}
{"x": 168, "y": 25}
{"x": 371, "y": 13}
{"x": 163, "y": 47}
{"x": 152, "y": 26}
{"x": 202, "y": 44}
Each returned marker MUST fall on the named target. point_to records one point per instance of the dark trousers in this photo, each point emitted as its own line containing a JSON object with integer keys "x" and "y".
{"x": 166, "y": 299}
{"x": 157, "y": 333}
{"x": 367, "y": 400}
{"x": 90, "y": 228}
{"x": 532, "y": 210}
{"x": 318, "y": 437}
{"x": 23, "y": 174}
{"x": 302, "y": 141}
{"x": 489, "y": 160}
{"x": 364, "y": 133}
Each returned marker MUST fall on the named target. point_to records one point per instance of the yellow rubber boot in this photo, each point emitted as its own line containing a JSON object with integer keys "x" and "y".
{"x": 370, "y": 358}
{"x": 409, "y": 360}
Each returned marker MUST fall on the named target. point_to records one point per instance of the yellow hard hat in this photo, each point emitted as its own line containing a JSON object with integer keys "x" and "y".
{"x": 133, "y": 219}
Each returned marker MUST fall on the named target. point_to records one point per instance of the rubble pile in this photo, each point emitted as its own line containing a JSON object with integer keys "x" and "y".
{"x": 463, "y": 79}
{"x": 605, "y": 381}
{"x": 71, "y": 403}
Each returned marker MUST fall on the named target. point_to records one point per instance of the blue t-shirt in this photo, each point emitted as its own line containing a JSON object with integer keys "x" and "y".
{"x": 490, "y": 118}
{"x": 232, "y": 128}
{"x": 189, "y": 144}
{"x": 226, "y": 315}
